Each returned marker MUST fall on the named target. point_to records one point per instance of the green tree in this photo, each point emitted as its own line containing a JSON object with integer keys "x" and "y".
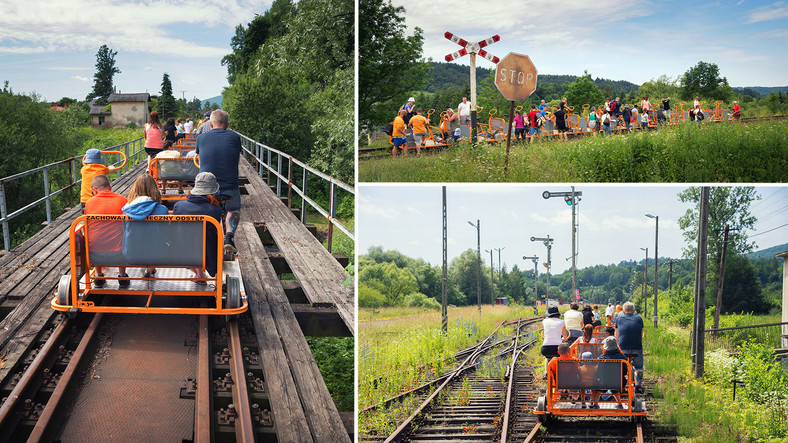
{"x": 703, "y": 80}
{"x": 658, "y": 88}
{"x": 463, "y": 272}
{"x": 726, "y": 205}
{"x": 582, "y": 91}
{"x": 742, "y": 290}
{"x": 167, "y": 106}
{"x": 247, "y": 40}
{"x": 515, "y": 285}
{"x": 390, "y": 64}
{"x": 105, "y": 71}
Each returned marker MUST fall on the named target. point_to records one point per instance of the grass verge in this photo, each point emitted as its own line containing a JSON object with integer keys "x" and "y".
{"x": 746, "y": 152}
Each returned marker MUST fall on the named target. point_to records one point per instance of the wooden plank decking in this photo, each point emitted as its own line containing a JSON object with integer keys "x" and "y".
{"x": 300, "y": 402}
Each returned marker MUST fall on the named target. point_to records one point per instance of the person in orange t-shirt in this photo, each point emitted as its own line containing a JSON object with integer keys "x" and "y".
{"x": 419, "y": 125}
{"x": 92, "y": 166}
{"x": 106, "y": 237}
{"x": 398, "y": 133}
{"x": 563, "y": 353}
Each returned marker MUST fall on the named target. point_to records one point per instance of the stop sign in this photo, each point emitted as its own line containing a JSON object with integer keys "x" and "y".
{"x": 515, "y": 77}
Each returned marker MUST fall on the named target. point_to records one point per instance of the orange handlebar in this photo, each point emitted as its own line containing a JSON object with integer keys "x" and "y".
{"x": 112, "y": 152}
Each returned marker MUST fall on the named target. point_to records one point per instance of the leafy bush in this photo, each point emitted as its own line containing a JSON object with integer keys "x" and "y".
{"x": 370, "y": 297}
{"x": 680, "y": 306}
{"x": 419, "y": 300}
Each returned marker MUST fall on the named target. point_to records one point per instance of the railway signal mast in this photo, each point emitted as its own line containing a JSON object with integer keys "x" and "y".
{"x": 571, "y": 198}
{"x": 472, "y": 48}
{"x": 548, "y": 242}
{"x": 535, "y": 259}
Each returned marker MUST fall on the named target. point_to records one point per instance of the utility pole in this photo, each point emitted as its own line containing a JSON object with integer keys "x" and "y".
{"x": 721, "y": 278}
{"x": 500, "y": 277}
{"x": 656, "y": 264}
{"x": 492, "y": 284}
{"x": 444, "y": 300}
{"x": 535, "y": 259}
{"x": 670, "y": 279}
{"x": 478, "y": 264}
{"x": 645, "y": 284}
{"x": 548, "y": 242}
{"x": 699, "y": 318}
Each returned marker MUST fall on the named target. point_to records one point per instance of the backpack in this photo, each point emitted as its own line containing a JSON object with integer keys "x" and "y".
{"x": 613, "y": 106}
{"x": 389, "y": 129}
{"x": 540, "y": 121}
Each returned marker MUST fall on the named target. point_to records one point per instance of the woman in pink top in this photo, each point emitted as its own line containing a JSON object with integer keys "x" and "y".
{"x": 153, "y": 135}
{"x": 645, "y": 106}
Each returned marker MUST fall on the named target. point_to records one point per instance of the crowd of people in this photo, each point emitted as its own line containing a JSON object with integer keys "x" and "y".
{"x": 219, "y": 151}
{"x": 527, "y": 125}
{"x": 623, "y": 335}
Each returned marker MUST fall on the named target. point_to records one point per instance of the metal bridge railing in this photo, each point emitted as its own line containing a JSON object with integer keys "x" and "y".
{"x": 271, "y": 162}
{"x": 132, "y": 149}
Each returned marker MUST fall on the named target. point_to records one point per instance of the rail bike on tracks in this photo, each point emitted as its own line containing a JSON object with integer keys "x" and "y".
{"x": 175, "y": 245}
{"x": 590, "y": 387}
{"x": 175, "y": 175}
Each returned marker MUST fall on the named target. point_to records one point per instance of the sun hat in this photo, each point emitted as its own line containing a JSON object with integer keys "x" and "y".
{"x": 92, "y": 156}
{"x": 205, "y": 184}
{"x": 552, "y": 311}
{"x": 411, "y": 99}
{"x": 610, "y": 344}
{"x": 587, "y": 355}
{"x": 207, "y": 114}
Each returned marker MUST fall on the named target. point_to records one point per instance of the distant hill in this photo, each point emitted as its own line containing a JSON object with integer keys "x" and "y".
{"x": 449, "y": 75}
{"x": 761, "y": 90}
{"x": 769, "y": 252}
{"x": 217, "y": 99}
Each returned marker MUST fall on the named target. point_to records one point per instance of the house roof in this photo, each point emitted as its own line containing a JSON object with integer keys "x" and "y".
{"x": 97, "y": 109}
{"x": 139, "y": 97}
{"x": 782, "y": 254}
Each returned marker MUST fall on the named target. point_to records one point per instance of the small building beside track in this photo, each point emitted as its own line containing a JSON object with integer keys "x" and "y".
{"x": 123, "y": 109}
{"x": 783, "y": 255}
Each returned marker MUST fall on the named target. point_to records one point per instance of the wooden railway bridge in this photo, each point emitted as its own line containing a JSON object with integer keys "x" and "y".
{"x": 272, "y": 241}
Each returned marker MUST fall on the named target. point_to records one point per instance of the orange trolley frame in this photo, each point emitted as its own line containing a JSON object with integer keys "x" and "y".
{"x": 73, "y": 299}
{"x": 552, "y": 402}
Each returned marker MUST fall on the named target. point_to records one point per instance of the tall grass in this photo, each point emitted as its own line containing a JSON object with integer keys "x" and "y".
{"x": 729, "y": 152}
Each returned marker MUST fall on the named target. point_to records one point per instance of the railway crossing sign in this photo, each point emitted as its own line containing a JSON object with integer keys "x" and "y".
{"x": 515, "y": 77}
{"x": 472, "y": 48}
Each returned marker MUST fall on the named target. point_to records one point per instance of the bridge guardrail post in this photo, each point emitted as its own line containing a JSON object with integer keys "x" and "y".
{"x": 74, "y": 180}
{"x": 126, "y": 151}
{"x": 278, "y": 175}
{"x": 289, "y": 182}
{"x": 303, "y": 199}
{"x": 332, "y": 214}
{"x": 3, "y": 214}
{"x": 268, "y": 169}
{"x": 46, "y": 194}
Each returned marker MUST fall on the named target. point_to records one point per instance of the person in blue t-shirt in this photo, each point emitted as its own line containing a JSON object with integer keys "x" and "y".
{"x": 630, "y": 334}
{"x": 220, "y": 151}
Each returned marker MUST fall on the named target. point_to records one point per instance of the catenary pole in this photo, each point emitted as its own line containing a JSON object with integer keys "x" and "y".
{"x": 444, "y": 299}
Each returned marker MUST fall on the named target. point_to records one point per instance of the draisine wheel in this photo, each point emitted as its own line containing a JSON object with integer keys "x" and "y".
{"x": 63, "y": 295}
{"x": 233, "y": 299}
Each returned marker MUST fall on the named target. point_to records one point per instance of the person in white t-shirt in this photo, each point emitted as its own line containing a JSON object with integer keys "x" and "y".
{"x": 464, "y": 110}
{"x": 188, "y": 126}
{"x": 554, "y": 334}
{"x": 574, "y": 322}
{"x": 609, "y": 314}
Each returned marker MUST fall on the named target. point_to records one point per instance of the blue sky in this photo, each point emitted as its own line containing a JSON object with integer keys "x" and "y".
{"x": 49, "y": 46}
{"x": 636, "y": 40}
{"x": 612, "y": 224}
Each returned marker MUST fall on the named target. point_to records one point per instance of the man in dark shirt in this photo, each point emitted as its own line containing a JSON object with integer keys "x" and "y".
{"x": 560, "y": 123}
{"x": 220, "y": 151}
{"x": 629, "y": 332}
{"x": 666, "y": 106}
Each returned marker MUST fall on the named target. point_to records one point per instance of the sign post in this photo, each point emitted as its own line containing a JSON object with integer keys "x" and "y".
{"x": 472, "y": 48}
{"x": 515, "y": 77}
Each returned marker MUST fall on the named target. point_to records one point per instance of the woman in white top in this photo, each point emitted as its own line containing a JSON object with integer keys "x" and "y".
{"x": 554, "y": 334}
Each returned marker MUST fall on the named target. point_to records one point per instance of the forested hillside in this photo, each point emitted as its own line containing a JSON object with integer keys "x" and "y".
{"x": 389, "y": 278}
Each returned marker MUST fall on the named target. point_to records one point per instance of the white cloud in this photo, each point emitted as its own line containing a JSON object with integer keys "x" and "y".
{"x": 775, "y": 11}
{"x": 80, "y": 78}
{"x": 147, "y": 68}
{"x": 67, "y": 68}
{"x": 56, "y": 26}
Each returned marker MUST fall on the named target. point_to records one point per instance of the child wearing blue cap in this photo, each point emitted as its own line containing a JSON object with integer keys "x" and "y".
{"x": 92, "y": 166}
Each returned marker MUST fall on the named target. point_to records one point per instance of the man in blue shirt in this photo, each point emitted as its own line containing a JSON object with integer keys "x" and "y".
{"x": 630, "y": 334}
{"x": 220, "y": 151}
